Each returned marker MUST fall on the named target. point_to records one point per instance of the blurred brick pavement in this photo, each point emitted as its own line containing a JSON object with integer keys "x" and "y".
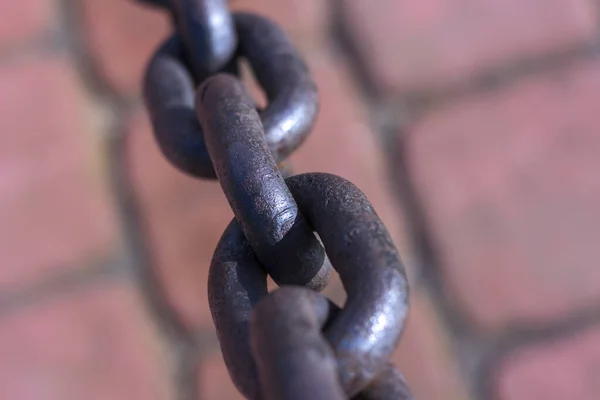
{"x": 470, "y": 124}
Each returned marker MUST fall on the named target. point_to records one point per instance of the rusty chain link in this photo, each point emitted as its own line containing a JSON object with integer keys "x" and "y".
{"x": 292, "y": 343}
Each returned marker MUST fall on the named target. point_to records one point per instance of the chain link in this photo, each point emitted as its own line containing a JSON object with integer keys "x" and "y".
{"x": 292, "y": 343}
{"x": 207, "y": 30}
{"x": 254, "y": 187}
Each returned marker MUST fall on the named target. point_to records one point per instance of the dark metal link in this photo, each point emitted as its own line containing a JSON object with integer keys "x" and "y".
{"x": 156, "y": 3}
{"x": 254, "y": 187}
{"x": 207, "y": 28}
{"x": 287, "y": 119}
{"x": 291, "y": 91}
{"x": 169, "y": 93}
{"x": 236, "y": 282}
{"x": 293, "y": 359}
{"x": 365, "y": 333}
{"x": 362, "y": 252}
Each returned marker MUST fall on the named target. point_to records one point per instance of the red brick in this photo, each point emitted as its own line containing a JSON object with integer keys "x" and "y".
{"x": 214, "y": 382}
{"x": 185, "y": 218}
{"x": 121, "y": 37}
{"x": 24, "y": 20}
{"x": 53, "y": 209}
{"x": 304, "y": 20}
{"x": 415, "y": 44}
{"x": 93, "y": 343}
{"x": 510, "y": 190}
{"x": 344, "y": 144}
{"x": 425, "y": 355}
{"x": 563, "y": 369}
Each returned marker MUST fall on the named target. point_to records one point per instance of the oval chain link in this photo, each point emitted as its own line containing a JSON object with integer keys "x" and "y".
{"x": 292, "y": 343}
{"x": 366, "y": 331}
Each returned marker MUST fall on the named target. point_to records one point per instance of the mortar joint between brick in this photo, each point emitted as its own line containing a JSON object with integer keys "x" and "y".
{"x": 75, "y": 38}
{"x": 515, "y": 337}
{"x": 138, "y": 265}
{"x": 95, "y": 273}
{"x": 182, "y": 341}
{"x": 420, "y": 101}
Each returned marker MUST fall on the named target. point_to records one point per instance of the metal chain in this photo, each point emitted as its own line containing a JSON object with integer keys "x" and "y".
{"x": 292, "y": 343}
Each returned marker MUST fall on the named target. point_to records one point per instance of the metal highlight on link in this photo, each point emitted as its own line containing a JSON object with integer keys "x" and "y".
{"x": 362, "y": 252}
{"x": 207, "y": 28}
{"x": 293, "y": 359}
{"x": 366, "y": 331}
{"x": 285, "y": 78}
{"x": 292, "y": 95}
{"x": 254, "y": 187}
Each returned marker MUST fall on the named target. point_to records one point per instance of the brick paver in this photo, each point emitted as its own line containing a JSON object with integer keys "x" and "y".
{"x": 30, "y": 19}
{"x": 93, "y": 343}
{"x": 214, "y": 382}
{"x": 425, "y": 355}
{"x": 566, "y": 368}
{"x": 54, "y": 211}
{"x": 121, "y": 35}
{"x": 510, "y": 190}
{"x": 184, "y": 218}
{"x": 304, "y": 20}
{"x": 414, "y": 44}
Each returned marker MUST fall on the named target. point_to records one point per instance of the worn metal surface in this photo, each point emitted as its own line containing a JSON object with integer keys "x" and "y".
{"x": 236, "y": 282}
{"x": 291, "y": 92}
{"x": 169, "y": 92}
{"x": 286, "y": 342}
{"x": 256, "y": 191}
{"x": 292, "y": 357}
{"x": 362, "y": 252}
{"x": 365, "y": 333}
{"x": 169, "y": 89}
